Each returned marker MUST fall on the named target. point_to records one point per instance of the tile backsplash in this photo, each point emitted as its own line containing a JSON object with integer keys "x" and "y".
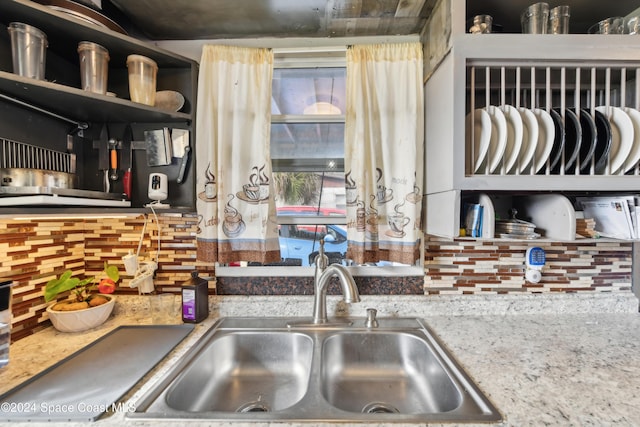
{"x": 467, "y": 266}
{"x": 37, "y": 250}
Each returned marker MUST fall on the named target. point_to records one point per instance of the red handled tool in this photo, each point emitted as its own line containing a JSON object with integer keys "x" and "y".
{"x": 127, "y": 160}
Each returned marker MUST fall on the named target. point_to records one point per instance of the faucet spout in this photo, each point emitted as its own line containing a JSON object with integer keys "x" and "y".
{"x": 322, "y": 280}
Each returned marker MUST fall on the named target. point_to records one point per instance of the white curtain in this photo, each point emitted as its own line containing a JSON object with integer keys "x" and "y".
{"x": 235, "y": 205}
{"x": 384, "y": 138}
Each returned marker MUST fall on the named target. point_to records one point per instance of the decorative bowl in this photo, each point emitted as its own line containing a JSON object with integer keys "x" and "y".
{"x": 81, "y": 320}
{"x": 169, "y": 100}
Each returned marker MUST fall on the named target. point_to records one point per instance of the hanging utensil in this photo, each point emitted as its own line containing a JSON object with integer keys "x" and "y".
{"x": 181, "y": 150}
{"x": 102, "y": 144}
{"x": 158, "y": 145}
{"x": 183, "y": 165}
{"x": 113, "y": 157}
{"x": 127, "y": 160}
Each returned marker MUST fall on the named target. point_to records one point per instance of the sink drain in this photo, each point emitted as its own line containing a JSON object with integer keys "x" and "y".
{"x": 379, "y": 408}
{"x": 254, "y": 407}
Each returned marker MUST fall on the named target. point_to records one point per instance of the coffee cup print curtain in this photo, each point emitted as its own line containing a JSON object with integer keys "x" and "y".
{"x": 384, "y": 140}
{"x": 235, "y": 204}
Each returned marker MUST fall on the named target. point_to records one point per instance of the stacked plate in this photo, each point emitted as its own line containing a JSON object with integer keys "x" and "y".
{"x": 510, "y": 140}
{"x": 516, "y": 229}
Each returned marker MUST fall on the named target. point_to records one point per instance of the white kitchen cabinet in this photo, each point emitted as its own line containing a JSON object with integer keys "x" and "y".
{"x": 574, "y": 71}
{"x": 62, "y": 108}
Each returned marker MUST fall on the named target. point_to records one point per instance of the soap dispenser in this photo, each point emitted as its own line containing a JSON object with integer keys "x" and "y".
{"x": 195, "y": 304}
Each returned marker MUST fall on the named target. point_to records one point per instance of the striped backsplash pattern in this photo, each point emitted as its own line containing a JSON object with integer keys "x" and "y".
{"x": 34, "y": 251}
{"x": 466, "y": 266}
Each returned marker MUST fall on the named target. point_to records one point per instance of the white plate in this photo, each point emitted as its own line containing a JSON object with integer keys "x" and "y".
{"x": 498, "y": 141}
{"x": 621, "y": 136}
{"x": 169, "y": 100}
{"x": 488, "y": 215}
{"x": 514, "y": 136}
{"x": 546, "y": 136}
{"x": 634, "y": 154}
{"x": 529, "y": 138}
{"x": 481, "y": 135}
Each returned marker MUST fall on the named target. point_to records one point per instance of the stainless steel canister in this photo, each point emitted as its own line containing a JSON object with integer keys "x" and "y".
{"x": 28, "y": 50}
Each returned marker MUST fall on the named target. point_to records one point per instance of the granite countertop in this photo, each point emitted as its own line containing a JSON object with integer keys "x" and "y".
{"x": 581, "y": 367}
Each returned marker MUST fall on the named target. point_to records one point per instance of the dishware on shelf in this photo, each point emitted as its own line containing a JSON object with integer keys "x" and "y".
{"x": 169, "y": 100}
{"x": 621, "y": 136}
{"x": 498, "y": 141}
{"x": 530, "y": 131}
{"x": 142, "y": 79}
{"x": 572, "y": 140}
{"x": 559, "y": 20}
{"x": 481, "y": 134}
{"x": 534, "y": 19}
{"x": 515, "y": 228}
{"x": 634, "y": 153}
{"x": 478, "y": 140}
{"x": 89, "y": 15}
{"x": 558, "y": 141}
{"x": 588, "y": 141}
{"x": 613, "y": 25}
{"x": 603, "y": 145}
{"x": 28, "y": 50}
{"x": 514, "y": 137}
{"x": 94, "y": 67}
{"x": 546, "y": 136}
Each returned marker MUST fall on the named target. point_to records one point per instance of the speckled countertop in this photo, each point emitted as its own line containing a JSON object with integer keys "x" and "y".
{"x": 539, "y": 367}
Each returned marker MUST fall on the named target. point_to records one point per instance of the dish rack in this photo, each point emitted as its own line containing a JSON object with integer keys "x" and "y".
{"x": 564, "y": 91}
{"x": 19, "y": 155}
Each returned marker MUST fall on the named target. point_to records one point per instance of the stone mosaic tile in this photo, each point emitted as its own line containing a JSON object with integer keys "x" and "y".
{"x": 34, "y": 251}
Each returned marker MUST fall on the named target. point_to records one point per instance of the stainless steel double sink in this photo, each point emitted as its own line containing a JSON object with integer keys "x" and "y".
{"x": 277, "y": 369}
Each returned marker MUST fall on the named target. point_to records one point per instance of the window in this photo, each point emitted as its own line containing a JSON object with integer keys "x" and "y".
{"x": 307, "y": 150}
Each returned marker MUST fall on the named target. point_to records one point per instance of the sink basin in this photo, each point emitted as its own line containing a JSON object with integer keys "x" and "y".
{"x": 286, "y": 369}
{"x": 244, "y": 372}
{"x": 385, "y": 373}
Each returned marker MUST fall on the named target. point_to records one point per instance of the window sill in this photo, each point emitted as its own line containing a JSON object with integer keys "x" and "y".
{"x": 359, "y": 271}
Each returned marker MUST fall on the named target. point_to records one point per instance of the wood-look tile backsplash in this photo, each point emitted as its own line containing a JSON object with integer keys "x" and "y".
{"x": 34, "y": 251}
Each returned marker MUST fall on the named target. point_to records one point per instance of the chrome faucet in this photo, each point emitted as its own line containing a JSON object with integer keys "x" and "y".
{"x": 322, "y": 277}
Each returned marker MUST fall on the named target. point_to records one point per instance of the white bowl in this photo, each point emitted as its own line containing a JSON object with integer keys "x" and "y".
{"x": 81, "y": 320}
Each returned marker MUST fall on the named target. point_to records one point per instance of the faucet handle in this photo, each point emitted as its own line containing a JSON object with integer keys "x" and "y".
{"x": 371, "y": 321}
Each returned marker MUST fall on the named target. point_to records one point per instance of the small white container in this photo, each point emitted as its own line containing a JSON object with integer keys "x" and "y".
{"x": 142, "y": 79}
